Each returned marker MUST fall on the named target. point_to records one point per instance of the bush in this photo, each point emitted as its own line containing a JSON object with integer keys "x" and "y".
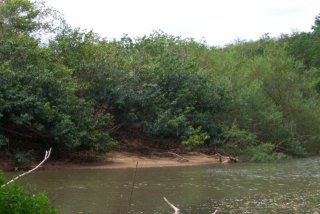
{"x": 15, "y": 200}
{"x": 237, "y": 140}
{"x": 21, "y": 158}
{"x": 195, "y": 137}
{"x": 262, "y": 153}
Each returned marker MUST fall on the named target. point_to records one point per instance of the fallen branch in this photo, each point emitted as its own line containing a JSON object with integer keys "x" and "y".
{"x": 219, "y": 156}
{"x": 46, "y": 157}
{"x": 180, "y": 158}
{"x": 231, "y": 159}
{"x": 176, "y": 210}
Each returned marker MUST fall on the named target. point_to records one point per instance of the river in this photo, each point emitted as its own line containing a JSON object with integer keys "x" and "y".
{"x": 287, "y": 187}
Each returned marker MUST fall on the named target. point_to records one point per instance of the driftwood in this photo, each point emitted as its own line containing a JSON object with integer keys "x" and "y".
{"x": 46, "y": 157}
{"x": 171, "y": 154}
{"x": 233, "y": 160}
{"x": 177, "y": 210}
{"x": 229, "y": 159}
{"x": 180, "y": 158}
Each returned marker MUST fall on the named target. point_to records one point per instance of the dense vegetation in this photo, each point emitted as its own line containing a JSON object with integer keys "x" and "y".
{"x": 255, "y": 99}
{"x": 14, "y": 199}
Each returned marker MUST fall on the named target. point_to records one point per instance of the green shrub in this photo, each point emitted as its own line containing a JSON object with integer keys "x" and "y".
{"x": 237, "y": 140}
{"x": 195, "y": 137}
{"x": 262, "y": 153}
{"x": 3, "y": 141}
{"x": 21, "y": 158}
{"x": 15, "y": 200}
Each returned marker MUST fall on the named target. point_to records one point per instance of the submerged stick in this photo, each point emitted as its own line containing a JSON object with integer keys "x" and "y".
{"x": 132, "y": 187}
{"x": 176, "y": 209}
{"x": 46, "y": 157}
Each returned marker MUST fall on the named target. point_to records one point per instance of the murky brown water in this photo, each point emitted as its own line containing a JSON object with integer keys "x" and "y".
{"x": 287, "y": 187}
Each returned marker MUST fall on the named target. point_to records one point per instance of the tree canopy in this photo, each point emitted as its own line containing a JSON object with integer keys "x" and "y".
{"x": 255, "y": 99}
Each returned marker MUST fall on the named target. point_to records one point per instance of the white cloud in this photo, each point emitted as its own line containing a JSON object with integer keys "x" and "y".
{"x": 218, "y": 21}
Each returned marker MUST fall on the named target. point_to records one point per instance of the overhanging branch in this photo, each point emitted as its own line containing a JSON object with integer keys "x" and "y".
{"x": 46, "y": 157}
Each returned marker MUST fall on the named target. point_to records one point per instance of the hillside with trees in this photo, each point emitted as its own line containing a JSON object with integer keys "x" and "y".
{"x": 73, "y": 90}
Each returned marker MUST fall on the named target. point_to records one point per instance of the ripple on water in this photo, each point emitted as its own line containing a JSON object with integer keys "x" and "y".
{"x": 287, "y": 187}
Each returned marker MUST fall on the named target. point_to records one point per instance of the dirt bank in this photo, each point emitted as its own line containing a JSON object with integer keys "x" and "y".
{"x": 115, "y": 160}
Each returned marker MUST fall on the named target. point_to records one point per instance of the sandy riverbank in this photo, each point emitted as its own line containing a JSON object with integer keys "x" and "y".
{"x": 117, "y": 160}
{"x": 122, "y": 160}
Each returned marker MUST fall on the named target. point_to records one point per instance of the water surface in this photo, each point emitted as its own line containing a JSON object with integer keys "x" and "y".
{"x": 287, "y": 187}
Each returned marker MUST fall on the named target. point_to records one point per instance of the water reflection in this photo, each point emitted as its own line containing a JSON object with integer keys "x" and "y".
{"x": 290, "y": 187}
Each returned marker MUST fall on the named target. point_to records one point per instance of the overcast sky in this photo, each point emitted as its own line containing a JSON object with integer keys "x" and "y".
{"x": 219, "y": 22}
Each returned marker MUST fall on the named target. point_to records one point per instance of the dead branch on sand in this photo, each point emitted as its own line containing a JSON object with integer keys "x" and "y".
{"x": 171, "y": 154}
